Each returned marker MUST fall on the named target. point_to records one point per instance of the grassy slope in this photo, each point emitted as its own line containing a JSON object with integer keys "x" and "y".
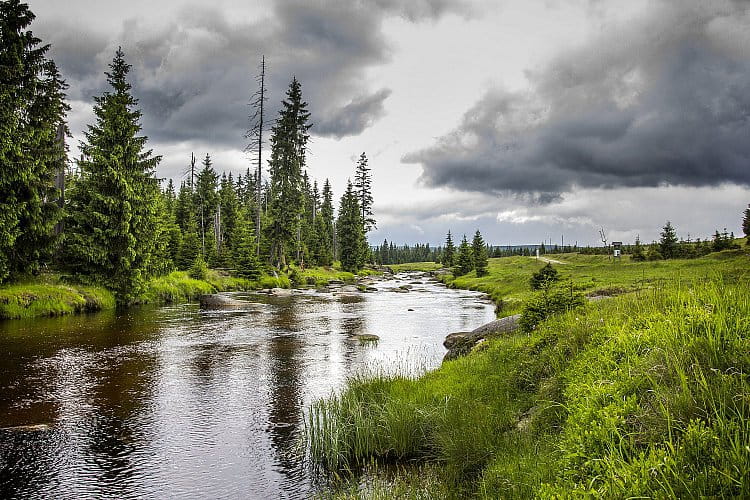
{"x": 645, "y": 394}
{"x": 508, "y": 279}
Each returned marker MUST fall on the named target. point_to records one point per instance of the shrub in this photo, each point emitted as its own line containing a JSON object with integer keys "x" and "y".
{"x": 199, "y": 269}
{"x": 547, "y": 303}
{"x": 544, "y": 277}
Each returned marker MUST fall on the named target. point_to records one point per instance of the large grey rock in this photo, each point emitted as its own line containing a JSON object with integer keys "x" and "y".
{"x": 508, "y": 324}
{"x": 461, "y": 343}
{"x": 216, "y": 301}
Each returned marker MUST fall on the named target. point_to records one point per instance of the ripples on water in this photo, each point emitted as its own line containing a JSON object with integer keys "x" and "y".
{"x": 177, "y": 402}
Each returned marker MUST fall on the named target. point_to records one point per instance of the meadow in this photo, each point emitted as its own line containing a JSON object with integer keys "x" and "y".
{"x": 642, "y": 395}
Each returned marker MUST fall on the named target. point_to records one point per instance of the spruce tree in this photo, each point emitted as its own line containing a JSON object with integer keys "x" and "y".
{"x": 206, "y": 204}
{"x": 324, "y": 229}
{"x": 229, "y": 209}
{"x": 637, "y": 254}
{"x": 746, "y": 225}
{"x": 449, "y": 252}
{"x": 363, "y": 188}
{"x": 668, "y": 241}
{"x": 289, "y": 138}
{"x": 464, "y": 261}
{"x": 32, "y": 131}
{"x": 113, "y": 232}
{"x": 479, "y": 254}
{"x": 350, "y": 232}
{"x": 245, "y": 258}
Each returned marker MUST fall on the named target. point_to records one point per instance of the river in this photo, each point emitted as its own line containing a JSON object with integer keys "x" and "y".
{"x": 178, "y": 402}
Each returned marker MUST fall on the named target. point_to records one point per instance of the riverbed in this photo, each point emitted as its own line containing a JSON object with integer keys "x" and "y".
{"x": 179, "y": 402}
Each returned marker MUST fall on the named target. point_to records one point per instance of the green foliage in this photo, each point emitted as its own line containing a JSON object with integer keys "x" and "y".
{"x": 746, "y": 224}
{"x": 324, "y": 228}
{"x": 668, "y": 242}
{"x": 175, "y": 287}
{"x": 363, "y": 190}
{"x": 636, "y": 253}
{"x": 245, "y": 257}
{"x": 546, "y": 303}
{"x": 449, "y": 253}
{"x": 635, "y": 396}
{"x": 465, "y": 259}
{"x": 289, "y": 138}
{"x": 199, "y": 269}
{"x": 544, "y": 277}
{"x": 113, "y": 230}
{"x": 32, "y": 150}
{"x": 32, "y": 300}
{"x": 350, "y": 232}
{"x": 723, "y": 241}
{"x": 479, "y": 255}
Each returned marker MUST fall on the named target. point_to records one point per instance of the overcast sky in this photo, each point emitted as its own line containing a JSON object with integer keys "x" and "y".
{"x": 528, "y": 120}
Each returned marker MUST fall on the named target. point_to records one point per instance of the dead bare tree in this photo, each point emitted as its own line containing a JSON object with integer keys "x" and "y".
{"x": 255, "y": 136}
{"x": 603, "y": 237}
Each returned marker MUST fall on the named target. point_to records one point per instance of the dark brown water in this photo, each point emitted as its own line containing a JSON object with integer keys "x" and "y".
{"x": 175, "y": 402}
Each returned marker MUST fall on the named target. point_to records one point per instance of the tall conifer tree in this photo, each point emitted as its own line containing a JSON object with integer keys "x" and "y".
{"x": 464, "y": 261}
{"x": 479, "y": 254}
{"x": 363, "y": 188}
{"x": 350, "y": 231}
{"x": 289, "y": 138}
{"x": 449, "y": 253}
{"x": 113, "y": 232}
{"x": 32, "y": 131}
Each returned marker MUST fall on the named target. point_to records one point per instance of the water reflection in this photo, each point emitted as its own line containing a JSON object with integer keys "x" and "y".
{"x": 177, "y": 402}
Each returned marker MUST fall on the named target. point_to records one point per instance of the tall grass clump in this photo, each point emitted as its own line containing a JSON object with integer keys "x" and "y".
{"x": 177, "y": 286}
{"x": 31, "y": 300}
{"x": 643, "y": 395}
{"x": 660, "y": 407}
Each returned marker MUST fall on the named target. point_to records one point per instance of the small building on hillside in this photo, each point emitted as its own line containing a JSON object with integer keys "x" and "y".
{"x": 617, "y": 246}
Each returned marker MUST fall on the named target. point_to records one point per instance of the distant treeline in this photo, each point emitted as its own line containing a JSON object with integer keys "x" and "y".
{"x": 669, "y": 246}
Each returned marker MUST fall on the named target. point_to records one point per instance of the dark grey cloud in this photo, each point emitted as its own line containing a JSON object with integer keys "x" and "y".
{"x": 351, "y": 119}
{"x": 193, "y": 72}
{"x": 664, "y": 99}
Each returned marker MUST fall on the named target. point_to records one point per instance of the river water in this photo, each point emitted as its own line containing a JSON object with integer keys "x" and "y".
{"x": 177, "y": 402}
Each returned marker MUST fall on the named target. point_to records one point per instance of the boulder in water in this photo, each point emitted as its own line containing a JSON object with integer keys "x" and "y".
{"x": 217, "y": 301}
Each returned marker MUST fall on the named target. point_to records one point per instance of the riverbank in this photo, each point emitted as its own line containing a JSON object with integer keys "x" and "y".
{"x": 507, "y": 281}
{"x": 48, "y": 295}
{"x": 642, "y": 395}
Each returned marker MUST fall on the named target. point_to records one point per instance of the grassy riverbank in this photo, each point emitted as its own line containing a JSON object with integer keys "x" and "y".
{"x": 48, "y": 295}
{"x": 508, "y": 279}
{"x": 645, "y": 394}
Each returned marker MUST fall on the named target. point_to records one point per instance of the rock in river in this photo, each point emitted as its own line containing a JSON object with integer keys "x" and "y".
{"x": 216, "y": 301}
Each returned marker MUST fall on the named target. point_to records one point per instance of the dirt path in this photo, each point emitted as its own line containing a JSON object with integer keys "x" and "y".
{"x": 549, "y": 261}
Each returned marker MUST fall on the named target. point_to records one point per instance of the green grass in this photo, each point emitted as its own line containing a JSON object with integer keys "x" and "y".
{"x": 643, "y": 395}
{"x": 51, "y": 298}
{"x": 415, "y": 266}
{"x": 175, "y": 287}
{"x": 320, "y": 276}
{"x": 508, "y": 280}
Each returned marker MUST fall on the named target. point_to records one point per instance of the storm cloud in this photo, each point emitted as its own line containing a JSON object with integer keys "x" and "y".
{"x": 660, "y": 100}
{"x": 193, "y": 70}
